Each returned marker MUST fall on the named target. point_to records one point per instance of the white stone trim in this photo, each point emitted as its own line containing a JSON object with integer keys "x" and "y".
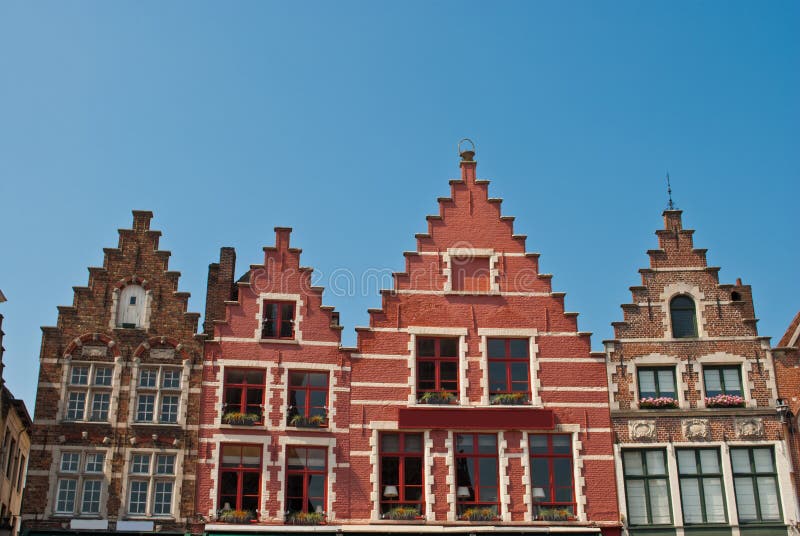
{"x": 217, "y": 440}
{"x": 657, "y": 360}
{"x": 298, "y": 316}
{"x": 414, "y": 331}
{"x": 503, "y": 481}
{"x": 724, "y": 358}
{"x": 427, "y": 483}
{"x": 450, "y": 463}
{"x": 487, "y": 253}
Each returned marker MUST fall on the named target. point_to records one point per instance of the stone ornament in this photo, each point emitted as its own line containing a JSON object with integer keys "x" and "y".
{"x": 162, "y": 353}
{"x": 642, "y": 429}
{"x": 749, "y": 427}
{"x": 696, "y": 429}
{"x": 94, "y": 351}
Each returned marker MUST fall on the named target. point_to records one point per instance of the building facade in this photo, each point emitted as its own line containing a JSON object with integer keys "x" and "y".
{"x": 114, "y": 439}
{"x": 787, "y": 375}
{"x": 699, "y": 447}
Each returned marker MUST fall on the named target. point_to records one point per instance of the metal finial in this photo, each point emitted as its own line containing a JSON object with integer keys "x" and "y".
{"x": 469, "y": 154}
{"x": 671, "y": 205}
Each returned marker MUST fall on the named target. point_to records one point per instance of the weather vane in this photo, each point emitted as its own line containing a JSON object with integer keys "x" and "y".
{"x": 671, "y": 205}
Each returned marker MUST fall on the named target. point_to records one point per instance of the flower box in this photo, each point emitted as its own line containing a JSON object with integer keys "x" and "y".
{"x": 662, "y": 402}
{"x": 314, "y": 421}
{"x": 402, "y": 513}
{"x": 236, "y": 516}
{"x": 509, "y": 399}
{"x": 478, "y": 514}
{"x": 438, "y": 397}
{"x": 240, "y": 419}
{"x": 554, "y": 514}
{"x": 725, "y": 401}
{"x": 305, "y": 518}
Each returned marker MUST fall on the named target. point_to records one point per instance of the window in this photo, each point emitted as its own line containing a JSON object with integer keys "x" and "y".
{"x": 551, "y": 470}
{"x": 647, "y": 487}
{"x": 243, "y": 395}
{"x": 722, "y": 380}
{"x": 158, "y": 395}
{"x": 470, "y": 274}
{"x": 151, "y": 483}
{"x": 130, "y": 310}
{"x": 401, "y": 472}
{"x": 80, "y": 483}
{"x": 240, "y": 478}
{"x": 476, "y": 474}
{"x": 437, "y": 365}
{"x": 89, "y": 383}
{"x": 684, "y": 320}
{"x": 308, "y": 398}
{"x": 657, "y": 383}
{"x": 20, "y": 473}
{"x": 278, "y": 320}
{"x": 306, "y": 470}
{"x": 756, "y": 484}
{"x": 702, "y": 494}
{"x": 13, "y": 454}
{"x": 509, "y": 367}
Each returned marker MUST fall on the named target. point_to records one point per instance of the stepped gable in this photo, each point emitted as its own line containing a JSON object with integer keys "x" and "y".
{"x": 792, "y": 336}
{"x": 677, "y": 267}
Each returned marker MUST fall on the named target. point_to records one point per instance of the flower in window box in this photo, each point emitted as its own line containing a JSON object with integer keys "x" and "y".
{"x": 479, "y": 514}
{"x": 314, "y": 421}
{"x": 236, "y": 516}
{"x": 240, "y": 419}
{"x": 438, "y": 397}
{"x": 509, "y": 399}
{"x": 402, "y": 512}
{"x": 658, "y": 403}
{"x": 554, "y": 514}
{"x": 305, "y": 518}
{"x": 725, "y": 401}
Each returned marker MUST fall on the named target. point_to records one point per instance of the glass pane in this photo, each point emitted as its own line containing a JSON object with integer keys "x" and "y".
{"x": 448, "y": 371}
{"x": 390, "y": 443}
{"x": 519, "y": 347}
{"x": 732, "y": 382}
{"x": 413, "y": 443}
{"x": 637, "y": 505}
{"x": 250, "y": 483}
{"x": 562, "y": 472}
{"x": 666, "y": 382}
{"x": 233, "y": 398}
{"x": 426, "y": 371}
{"x": 316, "y": 485}
{"x": 390, "y": 470}
{"x": 659, "y": 501}
{"x": 465, "y": 472}
{"x": 562, "y": 444}
{"x": 487, "y": 444}
{"x": 709, "y": 461}
{"x": 294, "y": 486}
{"x": 768, "y": 498}
{"x": 713, "y": 382}
{"x": 519, "y": 372}
{"x": 234, "y": 376}
{"x": 563, "y": 495}
{"x": 497, "y": 378}
{"x": 488, "y": 471}
{"x": 647, "y": 383}
{"x": 251, "y": 456}
{"x": 763, "y": 460}
{"x": 316, "y": 459}
{"x": 655, "y": 462}
{"x": 496, "y": 347}
{"x": 687, "y": 464}
{"x": 254, "y": 396}
{"x": 715, "y": 505}
{"x": 448, "y": 347}
{"x": 541, "y": 476}
{"x": 296, "y": 458}
{"x": 319, "y": 399}
{"x": 464, "y": 443}
{"x": 231, "y": 455}
{"x": 254, "y": 377}
{"x": 426, "y": 347}
{"x": 413, "y": 471}
{"x": 319, "y": 379}
{"x": 413, "y": 493}
{"x": 538, "y": 444}
{"x": 487, "y": 494}
{"x": 690, "y": 499}
{"x": 745, "y": 498}
{"x": 632, "y": 460}
{"x": 740, "y": 459}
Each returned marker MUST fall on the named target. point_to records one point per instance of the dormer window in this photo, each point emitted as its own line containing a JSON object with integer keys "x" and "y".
{"x": 278, "y": 320}
{"x": 130, "y": 312}
{"x": 683, "y": 316}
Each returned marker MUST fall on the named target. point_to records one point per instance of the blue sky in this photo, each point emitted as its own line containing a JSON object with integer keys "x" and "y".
{"x": 341, "y": 119}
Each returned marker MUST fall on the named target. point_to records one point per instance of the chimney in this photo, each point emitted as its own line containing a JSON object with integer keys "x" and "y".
{"x": 141, "y": 220}
{"x": 672, "y": 220}
{"x": 220, "y": 288}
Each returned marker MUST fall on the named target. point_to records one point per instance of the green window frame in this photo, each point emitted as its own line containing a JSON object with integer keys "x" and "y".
{"x": 727, "y": 384}
{"x": 754, "y": 477}
{"x": 657, "y": 380}
{"x": 701, "y": 484}
{"x": 647, "y": 487}
{"x": 683, "y": 317}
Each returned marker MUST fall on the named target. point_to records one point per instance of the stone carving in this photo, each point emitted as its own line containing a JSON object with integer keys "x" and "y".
{"x": 696, "y": 429}
{"x": 162, "y": 353}
{"x": 749, "y": 427}
{"x": 94, "y": 351}
{"x": 642, "y": 429}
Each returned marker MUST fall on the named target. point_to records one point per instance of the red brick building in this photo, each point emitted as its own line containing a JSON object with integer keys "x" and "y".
{"x": 699, "y": 447}
{"x": 114, "y": 437}
{"x": 472, "y": 401}
{"x": 787, "y": 376}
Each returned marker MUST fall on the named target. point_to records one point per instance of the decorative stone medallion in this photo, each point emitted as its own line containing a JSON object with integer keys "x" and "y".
{"x": 94, "y": 351}
{"x": 696, "y": 429}
{"x": 749, "y": 427}
{"x": 642, "y": 429}
{"x": 162, "y": 353}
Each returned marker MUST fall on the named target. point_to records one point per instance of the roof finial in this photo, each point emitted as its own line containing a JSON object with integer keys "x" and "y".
{"x": 671, "y": 205}
{"x": 466, "y": 155}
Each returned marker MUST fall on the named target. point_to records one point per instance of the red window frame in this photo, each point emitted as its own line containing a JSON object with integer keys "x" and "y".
{"x": 437, "y": 361}
{"x": 462, "y": 461}
{"x": 402, "y": 454}
{"x": 306, "y": 473}
{"x": 279, "y": 320}
{"x": 550, "y": 456}
{"x": 508, "y": 361}
{"x": 239, "y": 471}
{"x": 308, "y": 410}
{"x": 243, "y": 405}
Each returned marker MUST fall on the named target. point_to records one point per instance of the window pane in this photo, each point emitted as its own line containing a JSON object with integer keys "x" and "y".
{"x": 541, "y": 476}
{"x": 519, "y": 348}
{"x": 250, "y": 483}
{"x": 647, "y": 383}
{"x": 319, "y": 380}
{"x": 690, "y": 499}
{"x": 165, "y": 464}
{"x": 666, "y": 383}
{"x": 464, "y": 443}
{"x": 90, "y": 503}
{"x": 138, "y": 497}
{"x": 390, "y": 442}
{"x": 251, "y": 456}
{"x": 562, "y": 472}
{"x": 448, "y": 371}
{"x": 655, "y": 462}
{"x": 687, "y": 463}
{"x": 413, "y": 443}
{"x": 231, "y": 455}
{"x": 562, "y": 444}
{"x": 519, "y": 372}
{"x": 709, "y": 461}
{"x": 172, "y": 379}
{"x": 731, "y": 377}
{"x": 148, "y": 377}
{"x": 448, "y": 347}
{"x": 496, "y": 347}
{"x": 70, "y": 462}
{"x": 713, "y": 382}
{"x": 745, "y": 499}
{"x": 740, "y": 459}
{"x": 497, "y": 378}
{"x": 162, "y": 500}
{"x": 234, "y": 376}
{"x": 637, "y": 506}
{"x": 633, "y": 462}
{"x": 413, "y": 471}
{"x": 763, "y": 460}
{"x": 659, "y": 501}
{"x": 488, "y": 472}
{"x": 487, "y": 444}
{"x": 316, "y": 459}
{"x": 102, "y": 376}
{"x": 140, "y": 464}
{"x": 426, "y": 347}
{"x": 94, "y": 462}
{"x": 65, "y": 500}
{"x": 768, "y": 498}
{"x": 538, "y": 444}
{"x": 316, "y": 485}
{"x": 80, "y": 376}
{"x": 390, "y": 470}
{"x": 715, "y": 505}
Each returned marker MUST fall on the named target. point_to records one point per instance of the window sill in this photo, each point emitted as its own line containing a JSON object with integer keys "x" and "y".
{"x": 420, "y": 521}
{"x": 315, "y": 429}
{"x": 142, "y": 423}
{"x": 143, "y": 517}
{"x": 692, "y": 412}
{"x": 278, "y": 341}
{"x": 254, "y": 426}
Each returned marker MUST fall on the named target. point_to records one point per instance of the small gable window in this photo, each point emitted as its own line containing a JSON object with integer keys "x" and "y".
{"x": 684, "y": 318}
{"x": 278, "y": 320}
{"x": 131, "y": 307}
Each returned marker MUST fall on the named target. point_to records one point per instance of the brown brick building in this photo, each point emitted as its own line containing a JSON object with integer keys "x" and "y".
{"x": 115, "y": 429}
{"x": 787, "y": 375}
{"x": 699, "y": 448}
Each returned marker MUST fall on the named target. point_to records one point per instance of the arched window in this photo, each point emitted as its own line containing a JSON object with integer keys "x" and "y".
{"x": 684, "y": 319}
{"x": 130, "y": 312}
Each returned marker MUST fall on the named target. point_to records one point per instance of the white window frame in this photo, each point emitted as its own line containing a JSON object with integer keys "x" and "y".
{"x": 484, "y": 253}
{"x": 151, "y": 478}
{"x": 80, "y": 476}
{"x": 533, "y": 352}
{"x": 423, "y": 331}
{"x": 158, "y": 392}
{"x": 89, "y": 389}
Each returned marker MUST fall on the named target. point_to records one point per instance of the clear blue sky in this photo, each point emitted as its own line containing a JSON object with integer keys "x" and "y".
{"x": 341, "y": 120}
